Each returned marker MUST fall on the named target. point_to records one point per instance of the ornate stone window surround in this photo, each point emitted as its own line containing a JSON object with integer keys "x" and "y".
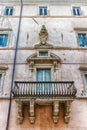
{"x": 78, "y": 31}
{"x": 43, "y": 66}
{"x": 83, "y": 73}
{"x": 40, "y": 62}
{"x": 3, "y": 73}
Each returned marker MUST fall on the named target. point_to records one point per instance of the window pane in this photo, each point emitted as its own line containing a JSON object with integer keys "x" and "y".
{"x": 86, "y": 78}
{"x": 78, "y": 11}
{"x": 0, "y": 79}
{"x": 7, "y": 11}
{"x": 43, "y": 53}
{"x": 41, "y": 11}
{"x": 74, "y": 12}
{"x": 45, "y": 11}
{"x": 82, "y": 40}
{"x": 11, "y": 11}
{"x": 3, "y": 40}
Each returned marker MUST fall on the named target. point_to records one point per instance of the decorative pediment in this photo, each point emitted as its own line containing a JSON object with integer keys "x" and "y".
{"x": 3, "y": 67}
{"x": 83, "y": 68}
{"x": 50, "y": 58}
{"x": 43, "y": 36}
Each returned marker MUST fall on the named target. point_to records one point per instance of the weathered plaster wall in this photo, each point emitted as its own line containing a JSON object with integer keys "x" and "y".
{"x": 61, "y": 34}
{"x": 44, "y": 120}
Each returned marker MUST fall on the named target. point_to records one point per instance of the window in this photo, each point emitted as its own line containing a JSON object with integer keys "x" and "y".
{"x": 43, "y": 53}
{"x": 3, "y": 40}
{"x": 82, "y": 39}
{"x": 86, "y": 79}
{"x": 0, "y": 80}
{"x": 9, "y": 11}
{"x": 43, "y": 74}
{"x": 3, "y": 69}
{"x": 43, "y": 11}
{"x": 76, "y": 11}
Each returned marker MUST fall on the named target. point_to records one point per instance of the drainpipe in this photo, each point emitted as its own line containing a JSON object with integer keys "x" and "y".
{"x": 14, "y": 65}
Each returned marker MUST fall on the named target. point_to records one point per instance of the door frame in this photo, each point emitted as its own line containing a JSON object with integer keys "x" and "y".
{"x": 43, "y": 66}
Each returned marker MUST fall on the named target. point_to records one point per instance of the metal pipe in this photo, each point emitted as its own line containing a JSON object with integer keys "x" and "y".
{"x": 14, "y": 65}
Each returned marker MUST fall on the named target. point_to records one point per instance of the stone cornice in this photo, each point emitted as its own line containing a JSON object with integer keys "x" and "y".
{"x": 45, "y": 1}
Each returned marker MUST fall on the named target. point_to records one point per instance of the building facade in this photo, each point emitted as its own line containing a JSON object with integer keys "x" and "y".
{"x": 43, "y": 65}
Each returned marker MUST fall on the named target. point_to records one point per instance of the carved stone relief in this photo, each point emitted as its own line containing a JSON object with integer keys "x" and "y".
{"x": 32, "y": 111}
{"x": 43, "y": 36}
{"x": 20, "y": 112}
{"x": 67, "y": 111}
{"x": 55, "y": 111}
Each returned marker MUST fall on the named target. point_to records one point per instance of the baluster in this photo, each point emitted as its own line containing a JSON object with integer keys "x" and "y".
{"x": 20, "y": 89}
{"x": 66, "y": 89}
{"x": 23, "y": 89}
{"x": 58, "y": 88}
{"x": 38, "y": 88}
{"x": 30, "y": 88}
{"x": 27, "y": 89}
{"x": 53, "y": 87}
{"x": 48, "y": 88}
{"x": 35, "y": 89}
{"x": 43, "y": 89}
{"x": 63, "y": 85}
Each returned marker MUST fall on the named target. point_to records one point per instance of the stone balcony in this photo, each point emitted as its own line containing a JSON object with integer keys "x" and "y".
{"x": 43, "y": 93}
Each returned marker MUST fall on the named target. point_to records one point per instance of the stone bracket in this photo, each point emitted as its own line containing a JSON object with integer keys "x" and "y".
{"x": 32, "y": 111}
{"x": 67, "y": 111}
{"x": 55, "y": 114}
{"x": 55, "y": 111}
{"x": 20, "y": 112}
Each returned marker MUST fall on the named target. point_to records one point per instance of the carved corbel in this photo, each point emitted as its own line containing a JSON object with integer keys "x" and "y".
{"x": 20, "y": 112}
{"x": 32, "y": 65}
{"x": 67, "y": 111}
{"x": 55, "y": 111}
{"x": 32, "y": 112}
{"x": 55, "y": 65}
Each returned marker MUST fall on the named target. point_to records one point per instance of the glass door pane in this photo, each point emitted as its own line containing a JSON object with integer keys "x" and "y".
{"x": 44, "y": 75}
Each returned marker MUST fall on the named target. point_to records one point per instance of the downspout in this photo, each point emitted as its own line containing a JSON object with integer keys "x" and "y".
{"x": 14, "y": 65}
